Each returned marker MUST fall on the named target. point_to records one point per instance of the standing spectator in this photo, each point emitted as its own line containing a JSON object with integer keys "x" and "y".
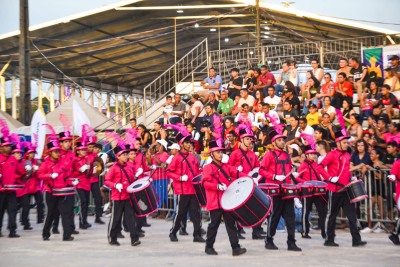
{"x": 272, "y": 99}
{"x": 343, "y": 64}
{"x": 328, "y": 109}
{"x": 317, "y": 70}
{"x": 213, "y": 83}
{"x": 212, "y": 100}
{"x": 178, "y": 110}
{"x": 196, "y": 111}
{"x": 368, "y": 101}
{"x": 343, "y": 90}
{"x": 360, "y": 74}
{"x": 284, "y": 76}
{"x": 235, "y": 84}
{"x": 245, "y": 98}
{"x": 259, "y": 98}
{"x": 391, "y": 79}
{"x": 394, "y": 60}
{"x": 266, "y": 79}
{"x": 386, "y": 102}
{"x": 225, "y": 105}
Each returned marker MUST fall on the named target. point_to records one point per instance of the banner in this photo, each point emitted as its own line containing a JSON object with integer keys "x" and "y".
{"x": 38, "y": 138}
{"x": 377, "y": 58}
{"x": 79, "y": 118}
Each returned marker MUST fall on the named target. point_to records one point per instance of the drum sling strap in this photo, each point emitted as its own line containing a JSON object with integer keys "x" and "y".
{"x": 124, "y": 171}
{"x": 246, "y": 158}
{"x": 282, "y": 162}
{"x": 222, "y": 171}
{"x": 313, "y": 170}
{"x": 185, "y": 159}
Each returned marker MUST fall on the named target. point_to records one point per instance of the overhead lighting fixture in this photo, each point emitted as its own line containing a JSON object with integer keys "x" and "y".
{"x": 267, "y": 28}
{"x": 266, "y": 36}
{"x": 196, "y": 25}
{"x": 240, "y": 43}
{"x": 213, "y": 30}
{"x": 226, "y": 40}
{"x": 251, "y": 52}
{"x": 179, "y": 11}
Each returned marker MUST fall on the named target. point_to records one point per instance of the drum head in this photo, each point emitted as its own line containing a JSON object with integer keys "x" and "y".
{"x": 138, "y": 185}
{"x": 237, "y": 193}
{"x": 317, "y": 183}
{"x": 197, "y": 179}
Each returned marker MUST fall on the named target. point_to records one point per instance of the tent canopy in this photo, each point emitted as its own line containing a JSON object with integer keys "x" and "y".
{"x": 12, "y": 123}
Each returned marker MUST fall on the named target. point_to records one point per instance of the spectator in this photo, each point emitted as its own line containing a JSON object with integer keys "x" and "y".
{"x": 320, "y": 134}
{"x": 212, "y": 100}
{"x": 354, "y": 129}
{"x": 360, "y": 158}
{"x": 289, "y": 112}
{"x": 343, "y": 90}
{"x": 144, "y": 135}
{"x": 168, "y": 107}
{"x": 394, "y": 133}
{"x": 250, "y": 80}
{"x": 178, "y": 110}
{"x": 193, "y": 131}
{"x": 225, "y": 105}
{"x": 291, "y": 130}
{"x": 272, "y": 99}
{"x": 292, "y": 98}
{"x": 232, "y": 142}
{"x": 360, "y": 74}
{"x": 391, "y": 154}
{"x": 312, "y": 94}
{"x": 235, "y": 109}
{"x": 235, "y": 84}
{"x": 328, "y": 88}
{"x": 209, "y": 115}
{"x": 213, "y": 83}
{"x": 368, "y": 101}
{"x": 245, "y": 98}
{"x": 266, "y": 79}
{"x": 262, "y": 120}
{"x": 328, "y": 109}
{"x": 322, "y": 147}
{"x": 379, "y": 131}
{"x": 343, "y": 64}
{"x": 245, "y": 113}
{"x": 132, "y": 122}
{"x": 391, "y": 79}
{"x": 394, "y": 60}
{"x": 196, "y": 111}
{"x": 347, "y": 111}
{"x": 303, "y": 128}
{"x": 259, "y": 98}
{"x": 378, "y": 188}
{"x": 317, "y": 70}
{"x": 328, "y": 127}
{"x": 294, "y": 77}
{"x": 284, "y": 76}
{"x": 386, "y": 102}
{"x": 159, "y": 133}
{"x": 305, "y": 86}
{"x": 255, "y": 84}
{"x": 228, "y": 127}
{"x": 313, "y": 117}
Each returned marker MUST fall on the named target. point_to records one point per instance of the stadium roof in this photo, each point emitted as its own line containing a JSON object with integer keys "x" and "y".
{"x": 123, "y": 50}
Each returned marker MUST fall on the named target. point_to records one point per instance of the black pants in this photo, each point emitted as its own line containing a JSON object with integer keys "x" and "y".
{"x": 8, "y": 201}
{"x": 187, "y": 203}
{"x": 321, "y": 205}
{"x": 98, "y": 201}
{"x": 283, "y": 208}
{"x": 119, "y": 208}
{"x": 26, "y": 206}
{"x": 230, "y": 225}
{"x": 232, "y": 93}
{"x": 335, "y": 202}
{"x": 62, "y": 204}
{"x": 84, "y": 200}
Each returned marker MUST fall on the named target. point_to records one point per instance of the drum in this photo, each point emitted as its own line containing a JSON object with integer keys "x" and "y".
{"x": 319, "y": 187}
{"x": 65, "y": 191}
{"x": 199, "y": 189}
{"x": 306, "y": 190}
{"x": 289, "y": 191}
{"x": 270, "y": 189}
{"x": 143, "y": 197}
{"x": 356, "y": 191}
{"x": 13, "y": 186}
{"x": 246, "y": 203}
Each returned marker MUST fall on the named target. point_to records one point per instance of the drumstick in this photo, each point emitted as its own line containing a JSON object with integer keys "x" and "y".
{"x": 292, "y": 172}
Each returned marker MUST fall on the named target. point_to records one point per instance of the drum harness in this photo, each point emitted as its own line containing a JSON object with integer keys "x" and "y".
{"x": 282, "y": 162}
{"x": 122, "y": 168}
{"x": 245, "y": 157}
{"x": 190, "y": 168}
{"x": 313, "y": 171}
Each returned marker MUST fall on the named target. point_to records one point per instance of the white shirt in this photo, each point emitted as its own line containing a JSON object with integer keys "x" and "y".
{"x": 307, "y": 130}
{"x": 273, "y": 102}
{"x": 194, "y": 106}
{"x": 250, "y": 116}
{"x": 261, "y": 115}
{"x": 249, "y": 101}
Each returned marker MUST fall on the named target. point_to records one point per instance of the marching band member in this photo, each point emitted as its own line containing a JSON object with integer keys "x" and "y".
{"x": 183, "y": 168}
{"x": 53, "y": 172}
{"x": 338, "y": 175}
{"x": 10, "y": 175}
{"x": 308, "y": 172}
{"x": 276, "y": 168}
{"x": 119, "y": 178}
{"x": 217, "y": 176}
{"x": 395, "y": 177}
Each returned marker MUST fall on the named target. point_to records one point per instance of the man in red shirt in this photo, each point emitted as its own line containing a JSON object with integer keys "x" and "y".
{"x": 266, "y": 78}
{"x": 343, "y": 90}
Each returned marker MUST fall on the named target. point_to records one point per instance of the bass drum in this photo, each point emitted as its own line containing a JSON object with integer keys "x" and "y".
{"x": 143, "y": 196}
{"x": 247, "y": 203}
{"x": 199, "y": 189}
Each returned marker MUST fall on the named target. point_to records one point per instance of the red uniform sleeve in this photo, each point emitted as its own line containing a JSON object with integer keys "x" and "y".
{"x": 266, "y": 170}
{"x": 208, "y": 178}
{"x": 234, "y": 158}
{"x": 321, "y": 167}
{"x": 108, "y": 180}
{"x": 174, "y": 168}
{"x": 44, "y": 171}
{"x": 303, "y": 176}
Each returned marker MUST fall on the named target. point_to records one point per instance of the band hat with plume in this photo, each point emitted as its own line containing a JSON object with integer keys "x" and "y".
{"x": 183, "y": 134}
{"x": 5, "y": 138}
{"x": 66, "y": 134}
{"x": 120, "y": 147}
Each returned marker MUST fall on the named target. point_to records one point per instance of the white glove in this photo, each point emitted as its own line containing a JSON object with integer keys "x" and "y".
{"x": 295, "y": 174}
{"x": 153, "y": 167}
{"x": 353, "y": 178}
{"x": 255, "y": 180}
{"x": 280, "y": 177}
{"x": 221, "y": 187}
{"x": 138, "y": 172}
{"x": 28, "y": 168}
{"x": 35, "y": 167}
{"x": 54, "y": 175}
{"x": 334, "y": 179}
{"x": 75, "y": 182}
{"x": 391, "y": 177}
{"x": 84, "y": 168}
{"x": 239, "y": 168}
{"x": 184, "y": 178}
{"x": 118, "y": 187}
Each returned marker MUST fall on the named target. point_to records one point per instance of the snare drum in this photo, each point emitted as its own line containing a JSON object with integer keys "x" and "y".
{"x": 306, "y": 190}
{"x": 199, "y": 189}
{"x": 289, "y": 191}
{"x": 356, "y": 191}
{"x": 319, "y": 187}
{"x": 143, "y": 196}
{"x": 65, "y": 191}
{"x": 270, "y": 189}
{"x": 13, "y": 187}
{"x": 246, "y": 203}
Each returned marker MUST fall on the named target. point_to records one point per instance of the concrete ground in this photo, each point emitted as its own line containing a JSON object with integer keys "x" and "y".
{"x": 90, "y": 248}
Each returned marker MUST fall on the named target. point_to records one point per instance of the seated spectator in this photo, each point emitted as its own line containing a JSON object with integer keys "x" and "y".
{"x": 228, "y": 127}
{"x": 289, "y": 95}
{"x": 245, "y": 98}
{"x": 320, "y": 134}
{"x": 266, "y": 79}
{"x": 354, "y": 129}
{"x": 144, "y": 135}
{"x": 291, "y": 130}
{"x": 209, "y": 116}
{"x": 394, "y": 133}
{"x": 294, "y": 77}
{"x": 359, "y": 73}
{"x": 255, "y": 84}
{"x": 391, "y": 154}
{"x": 328, "y": 109}
{"x": 391, "y": 79}
{"x": 312, "y": 93}
{"x": 226, "y": 104}
{"x": 213, "y": 83}
{"x": 235, "y": 84}
{"x": 132, "y": 122}
{"x": 250, "y": 80}
{"x": 304, "y": 87}
{"x": 343, "y": 90}
{"x": 212, "y": 100}
{"x": 272, "y": 99}
{"x": 303, "y": 128}
{"x": 379, "y": 131}
{"x": 196, "y": 111}
{"x": 178, "y": 110}
{"x": 322, "y": 147}
{"x": 259, "y": 98}
{"x": 193, "y": 131}
{"x": 317, "y": 70}
{"x": 394, "y": 61}
{"x": 260, "y": 118}
{"x": 347, "y": 110}
{"x": 289, "y": 112}
{"x": 235, "y": 109}
{"x": 232, "y": 143}
{"x": 245, "y": 113}
{"x": 159, "y": 133}
{"x": 284, "y": 76}
{"x": 368, "y": 101}
{"x": 386, "y": 102}
{"x": 328, "y": 88}
{"x": 327, "y": 126}
{"x": 344, "y": 67}
{"x": 168, "y": 107}
{"x": 313, "y": 117}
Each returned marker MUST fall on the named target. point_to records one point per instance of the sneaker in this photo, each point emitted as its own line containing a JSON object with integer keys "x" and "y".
{"x": 211, "y": 251}
{"x": 292, "y": 246}
{"x": 378, "y": 231}
{"x": 114, "y": 243}
{"x": 330, "y": 244}
{"x": 135, "y": 243}
{"x": 238, "y": 251}
{"x": 173, "y": 237}
{"x": 395, "y": 239}
{"x": 199, "y": 239}
{"x": 366, "y": 230}
{"x": 68, "y": 239}
{"x": 269, "y": 244}
{"x": 183, "y": 232}
{"x": 359, "y": 243}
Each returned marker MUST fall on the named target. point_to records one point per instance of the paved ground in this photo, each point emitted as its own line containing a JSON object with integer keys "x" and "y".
{"x": 90, "y": 248}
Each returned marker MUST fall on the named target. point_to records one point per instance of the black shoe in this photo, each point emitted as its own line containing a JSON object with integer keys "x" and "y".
{"x": 257, "y": 236}
{"x": 141, "y": 231}
{"x": 68, "y": 239}
{"x": 99, "y": 221}
{"x": 13, "y": 235}
{"x": 359, "y": 243}
{"x": 211, "y": 251}
{"x": 173, "y": 238}
{"x": 238, "y": 251}
{"x": 395, "y": 239}
{"x": 114, "y": 243}
{"x": 330, "y": 244}
{"x": 146, "y": 224}
{"x": 199, "y": 239}
{"x": 202, "y": 231}
{"x": 85, "y": 226}
{"x": 292, "y": 246}
{"x": 183, "y": 232}
{"x": 269, "y": 244}
{"x": 40, "y": 221}
{"x": 262, "y": 232}
{"x": 28, "y": 227}
{"x": 120, "y": 235}
{"x": 241, "y": 237}
{"x": 74, "y": 232}
{"x": 242, "y": 231}
{"x": 306, "y": 236}
{"x": 46, "y": 238}
{"x": 140, "y": 234}
{"x": 55, "y": 231}
{"x": 135, "y": 243}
